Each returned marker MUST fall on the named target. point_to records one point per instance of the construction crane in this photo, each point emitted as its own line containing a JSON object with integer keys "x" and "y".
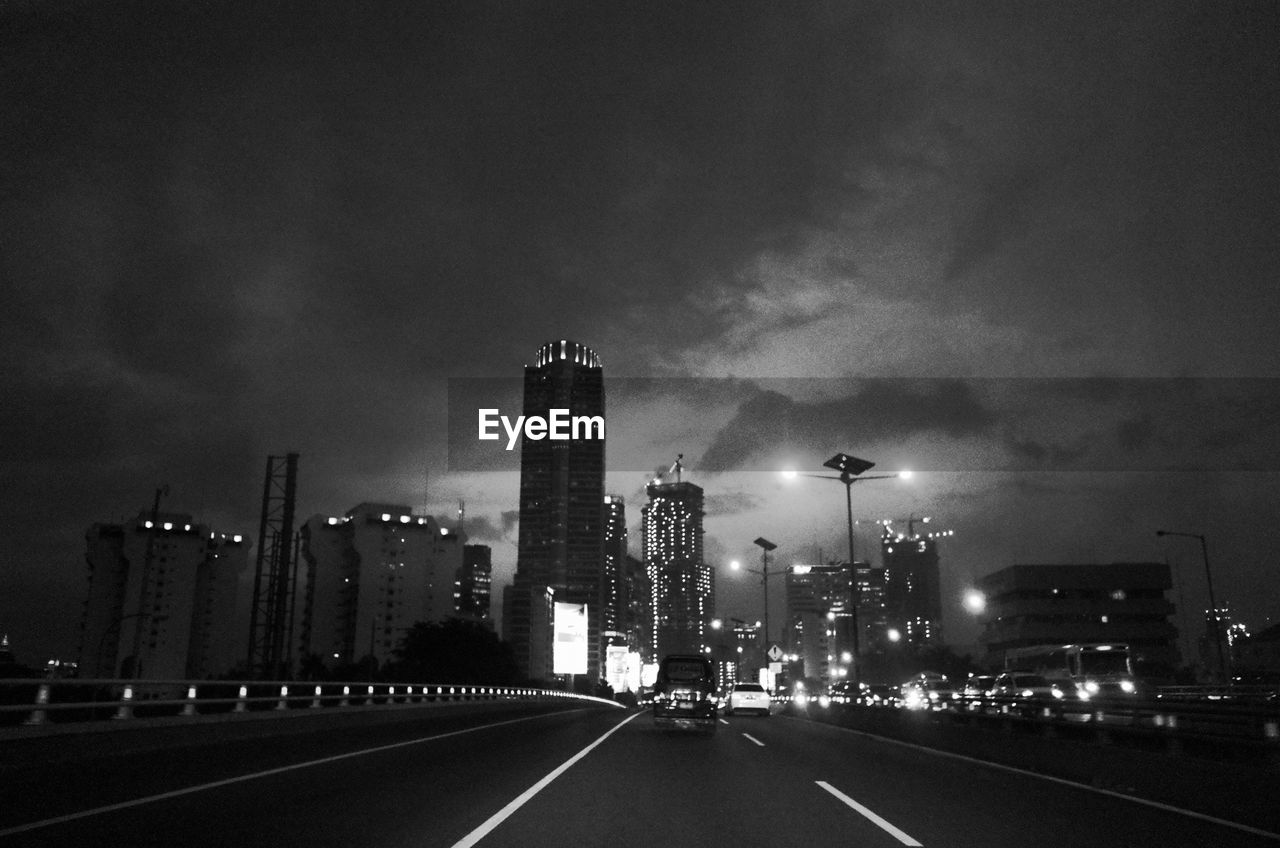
{"x": 676, "y": 468}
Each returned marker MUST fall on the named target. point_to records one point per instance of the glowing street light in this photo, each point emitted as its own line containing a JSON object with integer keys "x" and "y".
{"x": 975, "y": 602}
{"x": 765, "y": 546}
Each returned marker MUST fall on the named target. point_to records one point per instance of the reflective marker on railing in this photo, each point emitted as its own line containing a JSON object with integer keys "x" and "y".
{"x": 240, "y": 704}
{"x": 1271, "y": 730}
{"x": 189, "y": 708}
{"x": 284, "y": 696}
{"x": 125, "y": 710}
{"x": 315, "y": 702}
{"x": 39, "y": 715}
{"x": 346, "y": 692}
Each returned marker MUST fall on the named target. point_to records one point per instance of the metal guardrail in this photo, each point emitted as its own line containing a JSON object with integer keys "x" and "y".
{"x": 1187, "y": 716}
{"x": 67, "y": 701}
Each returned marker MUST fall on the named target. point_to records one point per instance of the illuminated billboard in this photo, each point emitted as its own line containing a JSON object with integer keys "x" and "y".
{"x": 569, "y": 655}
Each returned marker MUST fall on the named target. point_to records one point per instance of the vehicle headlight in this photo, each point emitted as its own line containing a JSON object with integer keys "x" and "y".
{"x": 1082, "y": 693}
{"x": 1091, "y": 687}
{"x": 1027, "y": 693}
{"x": 1127, "y": 686}
{"x": 1057, "y": 693}
{"x": 824, "y": 701}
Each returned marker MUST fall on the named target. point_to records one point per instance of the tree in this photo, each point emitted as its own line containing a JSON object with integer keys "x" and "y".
{"x": 453, "y": 651}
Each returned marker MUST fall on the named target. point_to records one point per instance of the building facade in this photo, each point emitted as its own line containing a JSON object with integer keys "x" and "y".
{"x": 370, "y": 575}
{"x": 681, "y": 585}
{"x": 561, "y": 537}
{"x": 473, "y": 584}
{"x": 161, "y": 599}
{"x": 912, "y": 584}
{"x": 820, "y": 618}
{"x": 1124, "y": 602}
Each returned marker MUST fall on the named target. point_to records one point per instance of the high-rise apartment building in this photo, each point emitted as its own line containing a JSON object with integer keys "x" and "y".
{"x": 370, "y": 575}
{"x": 561, "y": 537}
{"x": 681, "y": 585}
{"x": 161, "y": 599}
{"x": 473, "y": 583}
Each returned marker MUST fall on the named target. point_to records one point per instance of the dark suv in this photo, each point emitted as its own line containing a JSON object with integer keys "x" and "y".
{"x": 684, "y": 694}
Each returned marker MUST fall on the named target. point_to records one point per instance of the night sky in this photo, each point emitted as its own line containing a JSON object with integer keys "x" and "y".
{"x": 1026, "y": 249}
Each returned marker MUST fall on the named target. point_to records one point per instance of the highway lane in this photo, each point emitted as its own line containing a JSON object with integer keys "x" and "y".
{"x": 768, "y": 782}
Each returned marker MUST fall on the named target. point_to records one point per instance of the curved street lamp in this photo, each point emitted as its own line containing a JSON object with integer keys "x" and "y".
{"x": 765, "y": 546}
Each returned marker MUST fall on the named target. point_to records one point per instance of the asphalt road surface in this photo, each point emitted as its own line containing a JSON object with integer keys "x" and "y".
{"x": 573, "y": 777}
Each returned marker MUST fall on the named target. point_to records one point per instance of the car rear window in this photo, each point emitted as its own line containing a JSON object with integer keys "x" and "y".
{"x": 685, "y": 670}
{"x": 748, "y": 687}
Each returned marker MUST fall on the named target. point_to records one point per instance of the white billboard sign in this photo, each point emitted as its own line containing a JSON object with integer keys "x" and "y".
{"x": 569, "y": 655}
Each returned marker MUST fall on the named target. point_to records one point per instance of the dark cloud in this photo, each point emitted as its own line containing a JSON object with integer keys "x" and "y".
{"x": 236, "y": 229}
{"x": 731, "y": 503}
{"x": 881, "y": 409}
{"x": 481, "y": 528}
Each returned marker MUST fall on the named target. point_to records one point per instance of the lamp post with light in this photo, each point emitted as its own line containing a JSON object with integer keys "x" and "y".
{"x": 765, "y": 546}
{"x": 1223, "y": 660}
{"x": 851, "y": 470}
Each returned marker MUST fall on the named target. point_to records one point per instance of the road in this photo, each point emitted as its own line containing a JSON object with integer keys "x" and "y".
{"x": 578, "y": 777}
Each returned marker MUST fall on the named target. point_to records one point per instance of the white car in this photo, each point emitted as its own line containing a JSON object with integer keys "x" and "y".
{"x": 748, "y": 696}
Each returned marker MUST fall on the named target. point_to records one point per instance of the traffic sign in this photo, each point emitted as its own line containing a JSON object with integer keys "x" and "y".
{"x": 774, "y": 653}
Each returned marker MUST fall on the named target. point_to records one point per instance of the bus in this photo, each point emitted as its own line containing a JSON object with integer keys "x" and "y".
{"x": 1091, "y": 669}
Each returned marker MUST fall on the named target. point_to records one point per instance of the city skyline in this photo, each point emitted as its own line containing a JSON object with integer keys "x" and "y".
{"x": 1028, "y": 253}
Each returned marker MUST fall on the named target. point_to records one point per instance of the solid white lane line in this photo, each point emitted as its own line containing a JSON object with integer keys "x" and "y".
{"x": 1256, "y": 831}
{"x": 722, "y": 721}
{"x": 884, "y": 825}
{"x": 753, "y": 739}
{"x": 499, "y": 817}
{"x": 177, "y": 793}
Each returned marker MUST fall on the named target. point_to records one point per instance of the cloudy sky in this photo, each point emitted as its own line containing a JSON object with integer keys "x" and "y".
{"x": 1026, "y": 249}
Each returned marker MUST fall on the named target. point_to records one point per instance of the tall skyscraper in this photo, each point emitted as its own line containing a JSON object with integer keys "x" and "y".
{"x": 615, "y": 563}
{"x": 161, "y": 599}
{"x": 912, "y": 591}
{"x": 681, "y": 585}
{"x": 561, "y": 539}
{"x": 371, "y": 575}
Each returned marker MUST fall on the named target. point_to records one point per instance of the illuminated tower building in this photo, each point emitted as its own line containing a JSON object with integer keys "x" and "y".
{"x": 681, "y": 585}
{"x": 912, "y": 592}
{"x": 615, "y": 563}
{"x": 561, "y": 540}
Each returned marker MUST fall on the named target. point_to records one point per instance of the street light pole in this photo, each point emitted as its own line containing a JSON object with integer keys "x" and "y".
{"x": 765, "y": 547}
{"x": 1223, "y": 666}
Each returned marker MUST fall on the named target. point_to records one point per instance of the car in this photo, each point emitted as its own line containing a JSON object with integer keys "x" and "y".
{"x": 684, "y": 694}
{"x": 929, "y": 690}
{"x": 975, "y": 690}
{"x": 1027, "y": 694}
{"x": 748, "y": 697}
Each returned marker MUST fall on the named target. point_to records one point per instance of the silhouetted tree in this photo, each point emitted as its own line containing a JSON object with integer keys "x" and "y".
{"x": 453, "y": 651}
